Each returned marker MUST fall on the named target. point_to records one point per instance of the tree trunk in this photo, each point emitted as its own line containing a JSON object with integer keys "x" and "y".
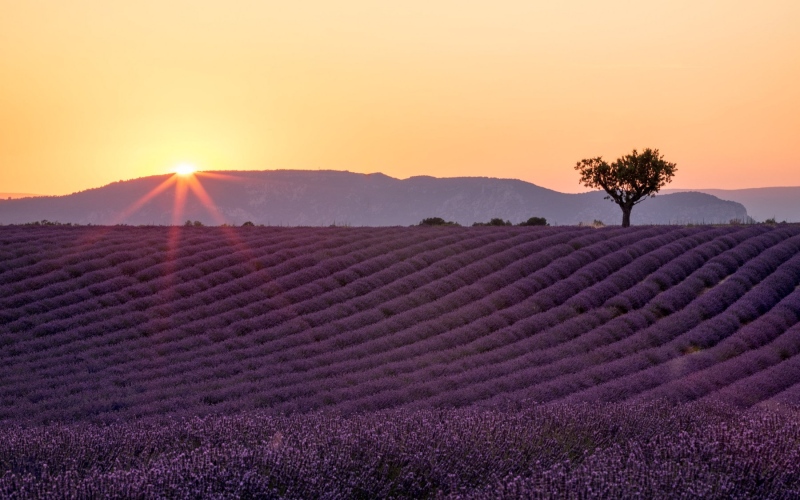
{"x": 626, "y": 216}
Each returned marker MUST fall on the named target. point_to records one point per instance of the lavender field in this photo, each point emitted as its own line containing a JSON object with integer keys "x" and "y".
{"x": 423, "y": 361}
{"x": 600, "y": 450}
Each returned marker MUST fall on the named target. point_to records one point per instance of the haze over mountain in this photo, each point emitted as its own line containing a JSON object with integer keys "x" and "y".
{"x": 321, "y": 198}
{"x": 780, "y": 203}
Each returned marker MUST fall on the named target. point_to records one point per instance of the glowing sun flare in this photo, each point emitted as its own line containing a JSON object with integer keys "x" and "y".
{"x": 185, "y": 169}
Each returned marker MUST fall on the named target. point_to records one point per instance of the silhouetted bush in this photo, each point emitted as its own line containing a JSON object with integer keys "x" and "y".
{"x": 535, "y": 221}
{"x": 45, "y": 222}
{"x": 248, "y": 224}
{"x": 494, "y": 222}
{"x": 437, "y": 221}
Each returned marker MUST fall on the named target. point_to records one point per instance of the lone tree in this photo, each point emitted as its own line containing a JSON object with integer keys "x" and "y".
{"x": 629, "y": 180}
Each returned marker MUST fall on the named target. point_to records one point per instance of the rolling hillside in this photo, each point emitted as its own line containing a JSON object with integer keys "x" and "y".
{"x": 111, "y": 323}
{"x": 323, "y": 198}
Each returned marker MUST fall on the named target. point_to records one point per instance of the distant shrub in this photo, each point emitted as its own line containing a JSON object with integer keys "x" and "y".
{"x": 493, "y": 222}
{"x": 535, "y": 221}
{"x": 437, "y": 221}
{"x": 45, "y": 222}
{"x": 747, "y": 220}
{"x": 247, "y": 224}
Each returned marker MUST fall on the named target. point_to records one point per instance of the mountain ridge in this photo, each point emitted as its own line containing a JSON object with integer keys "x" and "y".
{"x": 328, "y": 197}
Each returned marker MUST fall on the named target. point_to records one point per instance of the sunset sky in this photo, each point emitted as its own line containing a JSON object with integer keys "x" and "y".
{"x": 95, "y": 91}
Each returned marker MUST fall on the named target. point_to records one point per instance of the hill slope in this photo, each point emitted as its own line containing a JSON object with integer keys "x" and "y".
{"x": 780, "y": 203}
{"x": 114, "y": 323}
{"x": 322, "y": 198}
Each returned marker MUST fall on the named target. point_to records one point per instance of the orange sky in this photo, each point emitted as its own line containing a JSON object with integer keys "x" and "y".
{"x": 94, "y": 91}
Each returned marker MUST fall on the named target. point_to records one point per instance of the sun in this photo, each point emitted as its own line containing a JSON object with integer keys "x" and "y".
{"x": 185, "y": 169}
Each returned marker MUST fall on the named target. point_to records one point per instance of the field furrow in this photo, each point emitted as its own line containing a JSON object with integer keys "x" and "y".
{"x": 113, "y": 323}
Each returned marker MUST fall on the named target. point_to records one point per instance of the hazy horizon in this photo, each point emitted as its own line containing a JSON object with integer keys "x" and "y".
{"x": 667, "y": 189}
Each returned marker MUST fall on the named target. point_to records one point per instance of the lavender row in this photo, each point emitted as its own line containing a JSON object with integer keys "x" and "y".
{"x": 152, "y": 270}
{"x": 215, "y": 278}
{"x": 231, "y": 389}
{"x": 715, "y": 316}
{"x": 257, "y": 282}
{"x": 401, "y": 358}
{"x": 194, "y": 377}
{"x": 181, "y": 305}
{"x": 480, "y": 380}
{"x": 360, "y": 324}
{"x": 758, "y": 344}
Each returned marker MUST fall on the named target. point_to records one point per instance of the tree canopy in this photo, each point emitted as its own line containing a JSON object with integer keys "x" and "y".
{"x": 629, "y": 180}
